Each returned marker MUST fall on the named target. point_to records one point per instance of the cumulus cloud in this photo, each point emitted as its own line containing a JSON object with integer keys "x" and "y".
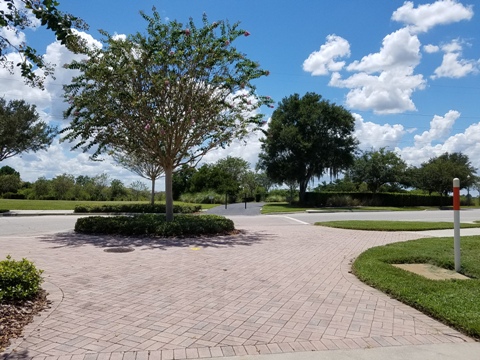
{"x": 372, "y": 135}
{"x": 429, "y": 144}
{"x": 323, "y": 61}
{"x": 399, "y": 49}
{"x": 440, "y": 127}
{"x": 427, "y": 16}
{"x": 453, "y": 66}
{"x": 387, "y": 93}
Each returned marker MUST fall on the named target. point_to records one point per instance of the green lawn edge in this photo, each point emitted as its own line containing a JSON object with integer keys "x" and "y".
{"x": 377, "y": 225}
{"x": 453, "y": 302}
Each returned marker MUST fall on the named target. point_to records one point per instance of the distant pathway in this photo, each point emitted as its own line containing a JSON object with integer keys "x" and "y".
{"x": 252, "y": 209}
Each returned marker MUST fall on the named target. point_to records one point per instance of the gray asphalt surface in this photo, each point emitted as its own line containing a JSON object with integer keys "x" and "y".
{"x": 252, "y": 209}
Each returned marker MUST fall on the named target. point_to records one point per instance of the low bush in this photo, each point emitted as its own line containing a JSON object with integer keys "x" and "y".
{"x": 19, "y": 280}
{"x": 203, "y": 198}
{"x": 155, "y": 225}
{"x": 10, "y": 195}
{"x": 4, "y": 211}
{"x": 342, "y": 200}
{"x": 136, "y": 208}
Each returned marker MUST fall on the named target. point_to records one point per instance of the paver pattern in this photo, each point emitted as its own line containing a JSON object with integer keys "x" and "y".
{"x": 279, "y": 286}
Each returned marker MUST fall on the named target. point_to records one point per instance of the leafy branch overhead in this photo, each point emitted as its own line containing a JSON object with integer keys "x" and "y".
{"x": 21, "y": 15}
{"x": 175, "y": 93}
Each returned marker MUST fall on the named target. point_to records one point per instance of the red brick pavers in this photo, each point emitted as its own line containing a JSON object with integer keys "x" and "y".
{"x": 280, "y": 286}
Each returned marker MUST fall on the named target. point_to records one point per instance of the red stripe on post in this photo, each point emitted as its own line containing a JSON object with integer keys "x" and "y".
{"x": 456, "y": 198}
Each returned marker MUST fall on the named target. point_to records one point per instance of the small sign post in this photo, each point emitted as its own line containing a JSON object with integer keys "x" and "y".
{"x": 456, "y": 221}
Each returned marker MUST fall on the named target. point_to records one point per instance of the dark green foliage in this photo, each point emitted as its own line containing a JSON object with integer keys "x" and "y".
{"x": 19, "y": 280}
{"x": 21, "y": 130}
{"x": 377, "y": 168}
{"x": 10, "y": 195}
{"x": 307, "y": 137}
{"x": 137, "y": 208}
{"x": 437, "y": 174}
{"x": 454, "y": 302}
{"x": 4, "y": 211}
{"x": 17, "y": 19}
{"x": 374, "y": 225}
{"x": 380, "y": 199}
{"x": 155, "y": 225}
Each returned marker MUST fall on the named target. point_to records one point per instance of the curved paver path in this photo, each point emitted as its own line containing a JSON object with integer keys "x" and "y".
{"x": 280, "y": 286}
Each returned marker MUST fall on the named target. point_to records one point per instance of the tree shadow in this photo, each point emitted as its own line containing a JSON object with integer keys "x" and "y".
{"x": 73, "y": 239}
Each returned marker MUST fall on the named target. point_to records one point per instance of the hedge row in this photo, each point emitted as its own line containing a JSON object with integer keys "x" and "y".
{"x": 320, "y": 199}
{"x": 155, "y": 225}
{"x": 137, "y": 208}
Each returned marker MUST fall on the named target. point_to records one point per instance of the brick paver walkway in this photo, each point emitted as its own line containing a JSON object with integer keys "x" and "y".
{"x": 280, "y": 286}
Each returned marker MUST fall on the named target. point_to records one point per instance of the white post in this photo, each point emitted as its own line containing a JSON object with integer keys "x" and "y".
{"x": 456, "y": 221}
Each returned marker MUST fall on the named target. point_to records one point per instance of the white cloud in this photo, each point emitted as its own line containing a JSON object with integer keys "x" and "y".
{"x": 430, "y": 49}
{"x": 388, "y": 93}
{"x": 427, "y": 16}
{"x": 399, "y": 49}
{"x": 323, "y": 61}
{"x": 371, "y": 135}
{"x": 440, "y": 127}
{"x": 452, "y": 65}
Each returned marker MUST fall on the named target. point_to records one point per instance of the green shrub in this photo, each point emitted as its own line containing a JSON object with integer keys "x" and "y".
{"x": 10, "y": 195}
{"x": 4, "y": 211}
{"x": 155, "y": 225}
{"x": 19, "y": 280}
{"x": 208, "y": 197}
{"x": 342, "y": 200}
{"x": 137, "y": 208}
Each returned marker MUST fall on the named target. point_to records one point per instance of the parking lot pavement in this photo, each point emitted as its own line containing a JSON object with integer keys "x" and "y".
{"x": 278, "y": 287}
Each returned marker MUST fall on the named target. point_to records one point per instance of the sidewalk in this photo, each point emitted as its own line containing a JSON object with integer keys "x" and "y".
{"x": 280, "y": 290}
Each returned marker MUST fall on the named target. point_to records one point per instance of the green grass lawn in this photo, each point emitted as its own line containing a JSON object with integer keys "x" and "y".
{"x": 271, "y": 208}
{"x": 67, "y": 204}
{"x": 374, "y": 225}
{"x": 454, "y": 302}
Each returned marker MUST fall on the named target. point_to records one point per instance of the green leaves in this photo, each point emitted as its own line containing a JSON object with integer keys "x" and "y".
{"x": 19, "y": 280}
{"x": 20, "y": 129}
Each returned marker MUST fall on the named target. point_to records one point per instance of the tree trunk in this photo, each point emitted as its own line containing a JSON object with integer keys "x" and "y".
{"x": 152, "y": 197}
{"x": 169, "y": 193}
{"x": 302, "y": 191}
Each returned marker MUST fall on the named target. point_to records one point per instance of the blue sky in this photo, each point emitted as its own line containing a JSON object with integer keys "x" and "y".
{"x": 408, "y": 71}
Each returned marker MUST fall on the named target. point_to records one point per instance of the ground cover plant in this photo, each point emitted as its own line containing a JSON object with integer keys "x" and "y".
{"x": 454, "y": 302}
{"x": 156, "y": 225}
{"x": 374, "y": 225}
{"x": 20, "y": 297}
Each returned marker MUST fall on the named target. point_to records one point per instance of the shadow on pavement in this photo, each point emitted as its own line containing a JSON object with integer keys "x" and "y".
{"x": 72, "y": 239}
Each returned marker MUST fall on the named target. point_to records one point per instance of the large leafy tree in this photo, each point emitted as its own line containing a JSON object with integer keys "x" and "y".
{"x": 21, "y": 130}
{"x": 16, "y": 15}
{"x": 174, "y": 93}
{"x": 307, "y": 137}
{"x": 437, "y": 174}
{"x": 377, "y": 168}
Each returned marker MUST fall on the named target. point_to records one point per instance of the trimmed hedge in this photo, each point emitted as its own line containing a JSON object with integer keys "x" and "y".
{"x": 16, "y": 196}
{"x": 155, "y": 225}
{"x": 19, "y": 280}
{"x": 320, "y": 199}
{"x": 137, "y": 208}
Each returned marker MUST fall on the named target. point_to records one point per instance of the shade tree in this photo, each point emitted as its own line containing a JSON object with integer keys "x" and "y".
{"x": 174, "y": 93}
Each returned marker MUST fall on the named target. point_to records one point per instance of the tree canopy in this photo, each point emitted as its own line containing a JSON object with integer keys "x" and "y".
{"x": 377, "y": 168}
{"x": 16, "y": 15}
{"x": 21, "y": 130}
{"x": 437, "y": 174}
{"x": 307, "y": 137}
{"x": 174, "y": 93}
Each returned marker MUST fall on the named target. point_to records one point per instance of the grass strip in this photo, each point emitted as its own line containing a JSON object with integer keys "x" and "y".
{"x": 377, "y": 225}
{"x": 453, "y": 302}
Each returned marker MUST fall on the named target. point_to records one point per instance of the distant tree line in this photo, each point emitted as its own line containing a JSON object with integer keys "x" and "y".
{"x": 69, "y": 187}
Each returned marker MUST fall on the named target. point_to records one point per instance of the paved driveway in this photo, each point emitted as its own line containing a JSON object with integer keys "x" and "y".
{"x": 280, "y": 286}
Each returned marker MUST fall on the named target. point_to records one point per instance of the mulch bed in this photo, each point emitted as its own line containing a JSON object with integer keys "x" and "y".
{"x": 14, "y": 316}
